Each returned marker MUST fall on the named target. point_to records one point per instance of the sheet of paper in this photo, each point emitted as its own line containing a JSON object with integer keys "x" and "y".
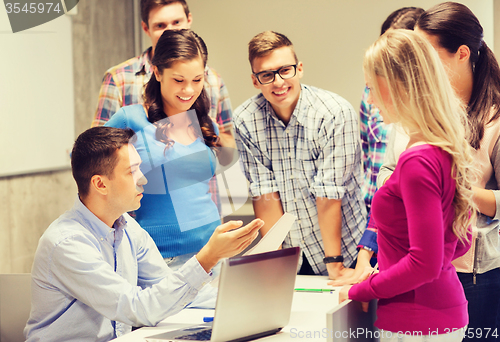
{"x": 271, "y": 241}
{"x": 275, "y": 236}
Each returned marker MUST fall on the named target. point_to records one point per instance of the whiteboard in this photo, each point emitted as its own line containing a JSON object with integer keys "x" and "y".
{"x": 36, "y": 97}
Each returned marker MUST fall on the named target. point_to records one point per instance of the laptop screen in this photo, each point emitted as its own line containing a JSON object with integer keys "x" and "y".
{"x": 254, "y": 299}
{"x": 255, "y": 294}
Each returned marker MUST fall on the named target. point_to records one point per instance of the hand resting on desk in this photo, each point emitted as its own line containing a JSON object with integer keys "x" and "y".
{"x": 357, "y": 275}
{"x": 344, "y": 292}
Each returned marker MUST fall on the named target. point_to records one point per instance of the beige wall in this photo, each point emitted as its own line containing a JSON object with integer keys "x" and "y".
{"x": 330, "y": 38}
{"x": 102, "y": 37}
{"x": 27, "y": 206}
{"x": 496, "y": 28}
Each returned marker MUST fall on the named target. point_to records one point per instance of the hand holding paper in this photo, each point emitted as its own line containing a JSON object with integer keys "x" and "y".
{"x": 275, "y": 236}
{"x": 271, "y": 241}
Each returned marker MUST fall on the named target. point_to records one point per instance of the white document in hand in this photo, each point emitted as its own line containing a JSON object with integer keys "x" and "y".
{"x": 275, "y": 236}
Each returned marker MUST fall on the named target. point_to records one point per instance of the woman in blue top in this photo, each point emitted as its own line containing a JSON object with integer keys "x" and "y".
{"x": 176, "y": 140}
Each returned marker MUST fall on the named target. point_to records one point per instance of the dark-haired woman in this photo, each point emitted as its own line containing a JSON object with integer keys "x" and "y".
{"x": 176, "y": 142}
{"x": 456, "y": 34}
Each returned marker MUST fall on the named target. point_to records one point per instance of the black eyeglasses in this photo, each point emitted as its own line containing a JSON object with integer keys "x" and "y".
{"x": 268, "y": 76}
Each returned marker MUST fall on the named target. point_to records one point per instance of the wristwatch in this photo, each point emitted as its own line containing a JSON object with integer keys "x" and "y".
{"x": 331, "y": 259}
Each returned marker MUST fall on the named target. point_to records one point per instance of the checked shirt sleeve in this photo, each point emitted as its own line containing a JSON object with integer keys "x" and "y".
{"x": 256, "y": 165}
{"x": 364, "y": 114}
{"x": 339, "y": 159}
{"x": 220, "y": 104}
{"x": 110, "y": 100}
{"x": 369, "y": 239}
{"x": 224, "y": 111}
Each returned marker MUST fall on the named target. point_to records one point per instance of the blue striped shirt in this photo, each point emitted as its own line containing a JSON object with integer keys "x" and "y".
{"x": 91, "y": 282}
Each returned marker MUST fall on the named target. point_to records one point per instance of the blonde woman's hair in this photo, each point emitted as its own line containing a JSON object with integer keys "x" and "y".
{"x": 423, "y": 101}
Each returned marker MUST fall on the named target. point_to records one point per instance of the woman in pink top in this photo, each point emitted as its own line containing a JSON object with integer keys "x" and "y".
{"x": 424, "y": 210}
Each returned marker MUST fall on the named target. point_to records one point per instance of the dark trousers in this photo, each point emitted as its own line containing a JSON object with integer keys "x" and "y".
{"x": 306, "y": 268}
{"x": 483, "y": 306}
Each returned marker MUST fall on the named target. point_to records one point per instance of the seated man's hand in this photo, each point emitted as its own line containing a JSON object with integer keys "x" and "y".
{"x": 228, "y": 240}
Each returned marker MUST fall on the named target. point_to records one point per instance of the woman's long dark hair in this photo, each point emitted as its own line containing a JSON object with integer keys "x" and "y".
{"x": 403, "y": 18}
{"x": 454, "y": 24}
{"x": 174, "y": 46}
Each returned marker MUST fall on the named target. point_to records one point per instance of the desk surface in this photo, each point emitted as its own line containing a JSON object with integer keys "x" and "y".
{"x": 308, "y": 317}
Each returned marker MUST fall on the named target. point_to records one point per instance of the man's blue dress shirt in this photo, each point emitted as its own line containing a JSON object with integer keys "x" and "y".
{"x": 91, "y": 282}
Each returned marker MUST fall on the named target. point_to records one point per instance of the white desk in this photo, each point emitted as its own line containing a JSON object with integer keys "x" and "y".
{"x": 308, "y": 315}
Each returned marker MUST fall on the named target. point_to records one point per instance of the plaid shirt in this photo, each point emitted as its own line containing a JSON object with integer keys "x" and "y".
{"x": 316, "y": 155}
{"x": 123, "y": 85}
{"x": 374, "y": 138}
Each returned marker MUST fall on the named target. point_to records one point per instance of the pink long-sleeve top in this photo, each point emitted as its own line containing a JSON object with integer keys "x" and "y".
{"x": 417, "y": 287}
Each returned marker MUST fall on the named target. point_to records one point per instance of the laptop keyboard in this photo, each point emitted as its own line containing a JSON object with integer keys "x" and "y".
{"x": 203, "y": 335}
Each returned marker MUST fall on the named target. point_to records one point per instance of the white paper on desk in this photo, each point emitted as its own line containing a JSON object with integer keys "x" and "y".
{"x": 275, "y": 236}
{"x": 271, "y": 241}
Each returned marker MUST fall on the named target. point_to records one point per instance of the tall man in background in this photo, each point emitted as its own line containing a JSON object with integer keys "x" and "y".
{"x": 124, "y": 84}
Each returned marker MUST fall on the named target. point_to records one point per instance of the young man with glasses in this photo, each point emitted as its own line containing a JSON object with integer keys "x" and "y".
{"x": 301, "y": 154}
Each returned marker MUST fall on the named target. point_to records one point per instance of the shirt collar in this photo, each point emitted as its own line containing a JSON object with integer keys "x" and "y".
{"x": 96, "y": 226}
{"x": 145, "y": 66}
{"x": 299, "y": 112}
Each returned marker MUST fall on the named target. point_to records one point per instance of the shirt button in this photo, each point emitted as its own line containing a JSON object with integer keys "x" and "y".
{"x": 102, "y": 239}
{"x": 295, "y": 200}
{"x": 298, "y": 221}
{"x": 203, "y": 284}
{"x": 303, "y": 242}
{"x": 291, "y": 176}
{"x": 290, "y": 155}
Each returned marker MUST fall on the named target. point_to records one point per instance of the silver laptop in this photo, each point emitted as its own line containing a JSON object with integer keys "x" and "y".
{"x": 254, "y": 299}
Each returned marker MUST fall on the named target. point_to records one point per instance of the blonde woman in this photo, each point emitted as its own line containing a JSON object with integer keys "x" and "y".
{"x": 424, "y": 210}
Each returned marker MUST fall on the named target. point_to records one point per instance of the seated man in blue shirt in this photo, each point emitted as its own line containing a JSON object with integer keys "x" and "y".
{"x": 96, "y": 271}
{"x": 301, "y": 154}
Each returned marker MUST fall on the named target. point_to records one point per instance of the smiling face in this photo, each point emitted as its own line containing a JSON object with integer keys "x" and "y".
{"x": 281, "y": 94}
{"x": 167, "y": 17}
{"x": 181, "y": 84}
